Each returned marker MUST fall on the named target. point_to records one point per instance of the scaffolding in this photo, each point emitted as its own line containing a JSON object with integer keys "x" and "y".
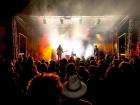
{"x": 15, "y": 39}
{"x": 129, "y": 37}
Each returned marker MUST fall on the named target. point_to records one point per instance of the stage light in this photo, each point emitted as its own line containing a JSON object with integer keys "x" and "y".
{"x": 80, "y": 21}
{"x": 44, "y": 20}
{"x": 61, "y": 21}
{"x": 98, "y": 21}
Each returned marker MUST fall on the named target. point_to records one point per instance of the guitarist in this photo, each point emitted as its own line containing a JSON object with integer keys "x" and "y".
{"x": 96, "y": 52}
{"x": 59, "y": 52}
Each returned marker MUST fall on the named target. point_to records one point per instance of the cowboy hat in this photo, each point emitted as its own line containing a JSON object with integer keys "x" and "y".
{"x": 74, "y": 88}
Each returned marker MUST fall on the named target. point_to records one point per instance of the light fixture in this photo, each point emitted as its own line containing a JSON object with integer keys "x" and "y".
{"x": 98, "y": 21}
{"x": 61, "y": 21}
{"x": 44, "y": 20}
{"x": 80, "y": 21}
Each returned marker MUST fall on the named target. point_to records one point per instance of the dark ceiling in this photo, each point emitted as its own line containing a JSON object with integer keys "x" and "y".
{"x": 69, "y": 7}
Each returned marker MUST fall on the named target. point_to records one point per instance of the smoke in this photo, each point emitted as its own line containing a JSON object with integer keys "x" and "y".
{"x": 73, "y": 34}
{"x": 82, "y": 7}
{"x": 76, "y": 34}
{"x": 101, "y": 24}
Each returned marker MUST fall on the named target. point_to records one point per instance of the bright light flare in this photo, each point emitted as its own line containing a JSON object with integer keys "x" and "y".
{"x": 72, "y": 34}
{"x": 99, "y": 37}
{"x": 71, "y": 38}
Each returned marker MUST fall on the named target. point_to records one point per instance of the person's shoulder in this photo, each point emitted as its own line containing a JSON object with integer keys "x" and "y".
{"x": 84, "y": 102}
{"x": 75, "y": 102}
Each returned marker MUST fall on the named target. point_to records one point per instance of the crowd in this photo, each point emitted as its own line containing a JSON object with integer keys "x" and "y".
{"x": 75, "y": 81}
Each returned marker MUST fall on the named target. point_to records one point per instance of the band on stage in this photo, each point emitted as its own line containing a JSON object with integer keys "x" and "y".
{"x": 60, "y": 50}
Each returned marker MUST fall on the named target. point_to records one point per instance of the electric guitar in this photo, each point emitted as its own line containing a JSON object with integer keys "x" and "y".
{"x": 60, "y": 52}
{"x": 65, "y": 51}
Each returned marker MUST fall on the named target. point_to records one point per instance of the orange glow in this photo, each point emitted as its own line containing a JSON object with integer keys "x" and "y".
{"x": 47, "y": 53}
{"x": 123, "y": 54}
{"x": 45, "y": 48}
{"x": 104, "y": 47}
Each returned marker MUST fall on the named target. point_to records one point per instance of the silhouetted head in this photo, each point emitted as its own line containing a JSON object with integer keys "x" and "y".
{"x": 45, "y": 87}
